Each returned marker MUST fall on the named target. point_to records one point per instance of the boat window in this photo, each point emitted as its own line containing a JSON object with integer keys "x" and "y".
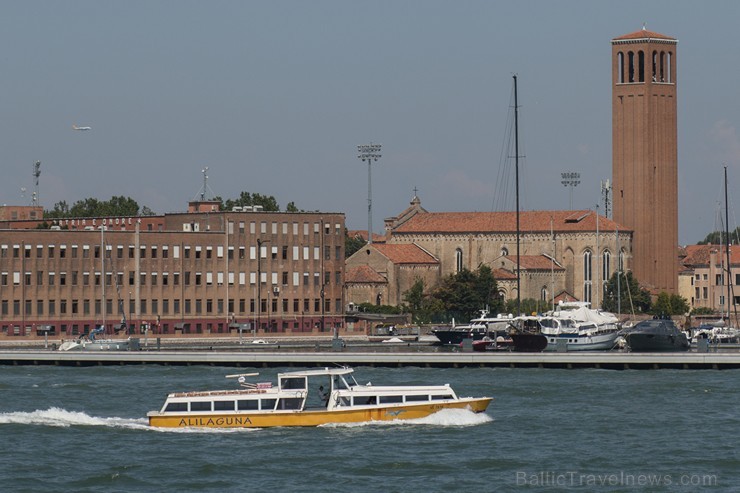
{"x": 293, "y": 383}
{"x": 417, "y": 398}
{"x": 268, "y": 404}
{"x": 290, "y": 403}
{"x": 549, "y": 323}
{"x": 388, "y": 399}
{"x": 174, "y": 407}
{"x": 200, "y": 406}
{"x": 344, "y": 400}
{"x": 223, "y": 405}
{"x": 247, "y": 405}
{"x": 441, "y": 397}
{"x": 364, "y": 400}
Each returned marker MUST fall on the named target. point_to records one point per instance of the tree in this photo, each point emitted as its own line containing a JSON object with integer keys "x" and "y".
{"x": 528, "y": 306}
{"x": 385, "y": 309}
{"x": 465, "y": 293}
{"x": 415, "y": 295}
{"x": 92, "y": 207}
{"x": 352, "y": 244}
{"x": 631, "y": 294}
{"x": 61, "y": 209}
{"x": 718, "y": 238}
{"x": 268, "y": 202}
{"x": 423, "y": 307}
{"x": 670, "y": 304}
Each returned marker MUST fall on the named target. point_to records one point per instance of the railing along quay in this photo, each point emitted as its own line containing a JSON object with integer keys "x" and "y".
{"x": 256, "y": 359}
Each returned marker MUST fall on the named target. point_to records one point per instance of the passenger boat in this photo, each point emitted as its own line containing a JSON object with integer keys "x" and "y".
{"x": 299, "y": 400}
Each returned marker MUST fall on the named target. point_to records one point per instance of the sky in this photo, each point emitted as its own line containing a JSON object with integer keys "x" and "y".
{"x": 274, "y": 97}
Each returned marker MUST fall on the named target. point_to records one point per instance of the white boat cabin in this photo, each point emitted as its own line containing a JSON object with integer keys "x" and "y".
{"x": 323, "y": 389}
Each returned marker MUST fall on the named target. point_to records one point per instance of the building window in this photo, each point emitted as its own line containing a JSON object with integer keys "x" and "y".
{"x": 458, "y": 260}
{"x": 587, "y": 275}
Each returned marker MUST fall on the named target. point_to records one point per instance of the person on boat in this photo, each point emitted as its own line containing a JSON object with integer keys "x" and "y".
{"x": 324, "y": 395}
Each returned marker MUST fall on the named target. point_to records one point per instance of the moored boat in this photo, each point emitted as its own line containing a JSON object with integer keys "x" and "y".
{"x": 478, "y": 329}
{"x": 526, "y": 334}
{"x": 290, "y": 403}
{"x": 657, "y": 335}
{"x": 91, "y": 343}
{"x": 577, "y": 335}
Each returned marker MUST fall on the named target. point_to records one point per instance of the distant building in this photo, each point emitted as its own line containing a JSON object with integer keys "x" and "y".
{"x": 381, "y": 273}
{"x": 645, "y": 153}
{"x": 11, "y": 213}
{"x": 202, "y": 272}
{"x": 560, "y": 253}
{"x": 704, "y": 268}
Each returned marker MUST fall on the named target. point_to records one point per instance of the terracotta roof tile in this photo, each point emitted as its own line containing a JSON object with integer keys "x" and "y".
{"x": 535, "y": 262}
{"x": 503, "y": 275}
{"x": 363, "y": 274}
{"x": 505, "y": 222}
{"x": 643, "y": 34}
{"x": 700, "y": 254}
{"x": 405, "y": 253}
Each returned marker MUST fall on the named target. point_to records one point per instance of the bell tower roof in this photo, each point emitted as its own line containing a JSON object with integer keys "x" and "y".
{"x": 643, "y": 35}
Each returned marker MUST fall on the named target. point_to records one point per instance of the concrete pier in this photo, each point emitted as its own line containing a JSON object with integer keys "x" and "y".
{"x": 257, "y": 359}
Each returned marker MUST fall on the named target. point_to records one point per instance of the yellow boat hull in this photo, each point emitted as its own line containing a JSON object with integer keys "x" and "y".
{"x": 311, "y": 417}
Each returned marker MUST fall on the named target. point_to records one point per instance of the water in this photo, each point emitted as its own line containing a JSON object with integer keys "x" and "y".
{"x": 84, "y": 430}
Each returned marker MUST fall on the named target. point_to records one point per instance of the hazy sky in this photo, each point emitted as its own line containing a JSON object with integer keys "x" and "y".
{"x": 274, "y": 97}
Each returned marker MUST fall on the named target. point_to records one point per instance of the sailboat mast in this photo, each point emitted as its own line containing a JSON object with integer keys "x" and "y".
{"x": 516, "y": 166}
{"x": 728, "y": 242}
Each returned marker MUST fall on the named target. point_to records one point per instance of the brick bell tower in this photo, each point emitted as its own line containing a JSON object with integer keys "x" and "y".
{"x": 645, "y": 155}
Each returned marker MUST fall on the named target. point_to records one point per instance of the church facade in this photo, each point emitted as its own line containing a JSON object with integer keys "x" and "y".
{"x": 561, "y": 253}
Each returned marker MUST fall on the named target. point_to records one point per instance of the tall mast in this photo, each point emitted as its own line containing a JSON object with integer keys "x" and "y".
{"x": 728, "y": 242}
{"x": 516, "y": 166}
{"x": 102, "y": 271}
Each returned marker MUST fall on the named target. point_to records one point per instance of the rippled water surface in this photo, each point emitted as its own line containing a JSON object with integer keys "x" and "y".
{"x": 84, "y": 429}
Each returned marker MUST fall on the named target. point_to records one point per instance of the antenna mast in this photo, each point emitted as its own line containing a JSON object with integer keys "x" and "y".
{"x": 36, "y": 174}
{"x": 606, "y": 192}
{"x": 205, "y": 184}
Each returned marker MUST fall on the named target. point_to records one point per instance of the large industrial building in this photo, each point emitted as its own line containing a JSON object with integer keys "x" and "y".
{"x": 200, "y": 272}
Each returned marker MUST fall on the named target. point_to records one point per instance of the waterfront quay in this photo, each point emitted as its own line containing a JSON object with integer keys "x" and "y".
{"x": 394, "y": 358}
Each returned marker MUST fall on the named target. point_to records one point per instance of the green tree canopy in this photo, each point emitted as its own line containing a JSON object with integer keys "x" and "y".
{"x": 631, "y": 295}
{"x": 463, "y": 294}
{"x": 423, "y": 307}
{"x": 92, "y": 207}
{"x": 718, "y": 238}
{"x": 670, "y": 304}
{"x": 352, "y": 244}
{"x": 268, "y": 202}
{"x": 528, "y": 306}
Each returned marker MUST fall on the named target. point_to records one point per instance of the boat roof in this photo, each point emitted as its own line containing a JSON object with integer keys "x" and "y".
{"x": 319, "y": 372}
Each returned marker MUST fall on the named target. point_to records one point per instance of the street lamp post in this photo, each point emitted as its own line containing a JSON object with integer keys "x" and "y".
{"x": 369, "y": 153}
{"x": 572, "y": 180}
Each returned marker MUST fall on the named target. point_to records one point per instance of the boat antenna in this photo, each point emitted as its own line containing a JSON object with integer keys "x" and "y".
{"x": 516, "y": 175}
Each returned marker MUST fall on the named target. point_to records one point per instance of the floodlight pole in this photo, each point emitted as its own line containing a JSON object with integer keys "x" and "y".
{"x": 369, "y": 153}
{"x": 570, "y": 179}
